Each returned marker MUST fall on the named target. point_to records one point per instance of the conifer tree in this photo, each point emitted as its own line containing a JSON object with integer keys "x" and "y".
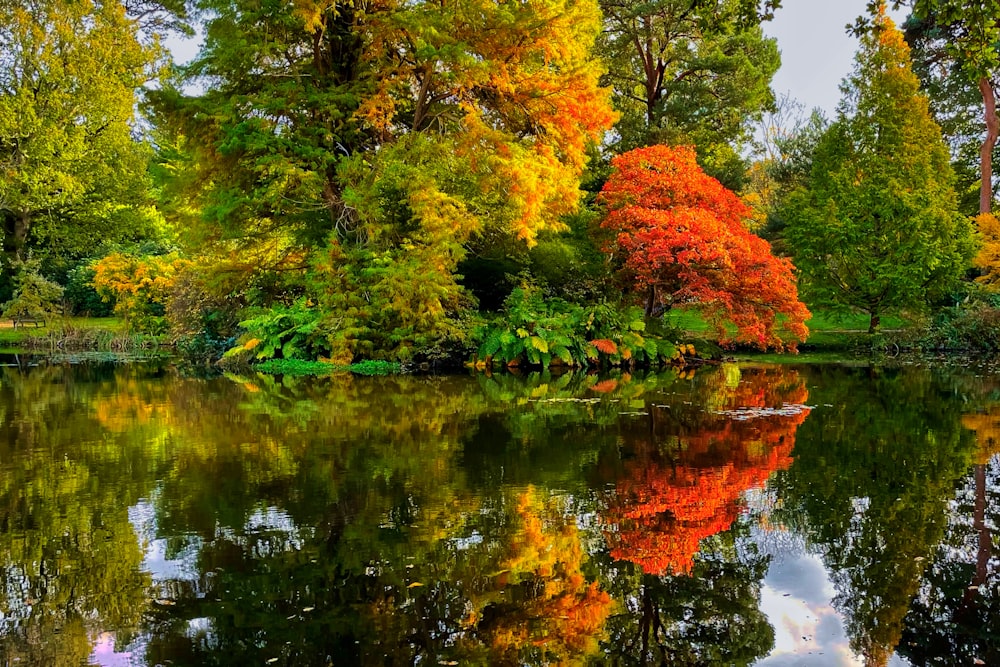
{"x": 878, "y": 229}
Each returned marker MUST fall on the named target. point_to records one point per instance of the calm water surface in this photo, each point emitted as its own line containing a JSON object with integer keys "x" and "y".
{"x": 749, "y": 515}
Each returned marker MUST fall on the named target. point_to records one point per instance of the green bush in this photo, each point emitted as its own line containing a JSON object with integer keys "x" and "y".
{"x": 35, "y": 297}
{"x": 543, "y": 331}
{"x": 80, "y": 296}
{"x": 283, "y": 332}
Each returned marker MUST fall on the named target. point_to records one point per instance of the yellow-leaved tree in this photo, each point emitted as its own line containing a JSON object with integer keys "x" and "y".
{"x": 357, "y": 149}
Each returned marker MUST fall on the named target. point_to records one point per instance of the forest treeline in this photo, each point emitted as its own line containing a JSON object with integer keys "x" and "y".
{"x": 527, "y": 182}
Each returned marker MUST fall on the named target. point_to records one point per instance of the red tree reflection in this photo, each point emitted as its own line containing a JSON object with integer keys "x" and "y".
{"x": 686, "y": 482}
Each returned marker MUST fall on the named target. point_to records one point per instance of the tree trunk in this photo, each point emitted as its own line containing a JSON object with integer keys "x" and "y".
{"x": 22, "y": 223}
{"x": 874, "y": 323}
{"x": 650, "y": 301}
{"x": 986, "y": 151}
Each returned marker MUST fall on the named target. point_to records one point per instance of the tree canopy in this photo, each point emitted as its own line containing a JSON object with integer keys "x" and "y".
{"x": 679, "y": 238}
{"x": 72, "y": 175}
{"x": 377, "y": 141}
{"x": 689, "y": 72}
{"x": 878, "y": 228}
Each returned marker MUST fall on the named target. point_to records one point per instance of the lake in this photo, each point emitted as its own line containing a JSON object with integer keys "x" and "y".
{"x": 740, "y": 514}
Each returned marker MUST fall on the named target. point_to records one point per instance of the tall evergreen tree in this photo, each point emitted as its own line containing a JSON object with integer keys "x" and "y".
{"x": 957, "y": 44}
{"x": 878, "y": 229}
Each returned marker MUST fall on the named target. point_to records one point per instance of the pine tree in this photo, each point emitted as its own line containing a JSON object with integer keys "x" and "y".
{"x": 878, "y": 229}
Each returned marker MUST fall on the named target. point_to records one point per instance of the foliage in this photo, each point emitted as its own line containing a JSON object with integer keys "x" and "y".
{"x": 784, "y": 163}
{"x": 81, "y": 296}
{"x": 140, "y": 287}
{"x": 987, "y": 260}
{"x": 879, "y": 230}
{"x": 35, "y": 297}
{"x": 375, "y": 367}
{"x": 970, "y": 324}
{"x": 956, "y": 100}
{"x": 71, "y": 174}
{"x": 543, "y": 331}
{"x": 689, "y": 73}
{"x": 956, "y": 45}
{"x": 315, "y": 368}
{"x": 678, "y": 237}
{"x": 282, "y": 332}
{"x": 383, "y": 142}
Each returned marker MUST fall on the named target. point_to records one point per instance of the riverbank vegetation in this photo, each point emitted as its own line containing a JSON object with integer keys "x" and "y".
{"x": 553, "y": 183}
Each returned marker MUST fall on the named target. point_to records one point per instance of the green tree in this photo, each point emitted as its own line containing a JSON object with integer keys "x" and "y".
{"x": 359, "y": 149}
{"x": 71, "y": 173}
{"x": 689, "y": 73}
{"x": 785, "y": 145}
{"x": 35, "y": 297}
{"x": 879, "y": 230}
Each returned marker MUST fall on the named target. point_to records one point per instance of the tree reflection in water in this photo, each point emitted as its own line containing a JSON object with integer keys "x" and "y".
{"x": 545, "y": 519}
{"x": 677, "y": 484}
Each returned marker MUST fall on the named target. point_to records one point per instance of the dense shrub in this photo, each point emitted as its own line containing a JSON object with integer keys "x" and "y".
{"x": 34, "y": 297}
{"x": 80, "y": 295}
{"x": 549, "y": 331}
{"x": 139, "y": 287}
{"x": 283, "y": 332}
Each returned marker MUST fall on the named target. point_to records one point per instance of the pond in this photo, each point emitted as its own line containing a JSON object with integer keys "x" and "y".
{"x": 743, "y": 514}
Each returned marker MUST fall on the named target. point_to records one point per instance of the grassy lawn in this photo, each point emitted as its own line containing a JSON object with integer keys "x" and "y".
{"x": 826, "y": 330}
{"x": 62, "y": 327}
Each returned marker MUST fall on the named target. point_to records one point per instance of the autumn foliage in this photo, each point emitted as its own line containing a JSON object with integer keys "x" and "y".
{"x": 663, "y": 506}
{"x": 680, "y": 237}
{"x": 561, "y": 615}
{"x": 139, "y": 287}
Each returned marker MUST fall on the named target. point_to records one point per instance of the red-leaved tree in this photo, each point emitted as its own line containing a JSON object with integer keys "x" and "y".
{"x": 680, "y": 239}
{"x": 663, "y": 505}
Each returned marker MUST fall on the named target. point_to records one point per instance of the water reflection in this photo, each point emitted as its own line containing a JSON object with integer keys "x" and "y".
{"x": 150, "y": 518}
{"x": 873, "y": 476}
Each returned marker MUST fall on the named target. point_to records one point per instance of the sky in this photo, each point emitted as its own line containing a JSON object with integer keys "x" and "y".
{"x": 816, "y": 50}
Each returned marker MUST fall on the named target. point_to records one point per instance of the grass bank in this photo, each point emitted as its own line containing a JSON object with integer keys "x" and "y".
{"x": 74, "y": 333}
{"x": 828, "y": 332}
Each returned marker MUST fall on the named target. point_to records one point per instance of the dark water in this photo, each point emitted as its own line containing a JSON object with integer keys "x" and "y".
{"x": 818, "y": 515}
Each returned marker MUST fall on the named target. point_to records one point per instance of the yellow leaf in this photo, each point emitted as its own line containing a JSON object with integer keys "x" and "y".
{"x": 539, "y": 344}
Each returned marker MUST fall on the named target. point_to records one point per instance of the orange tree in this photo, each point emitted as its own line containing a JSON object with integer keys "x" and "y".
{"x": 678, "y": 236}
